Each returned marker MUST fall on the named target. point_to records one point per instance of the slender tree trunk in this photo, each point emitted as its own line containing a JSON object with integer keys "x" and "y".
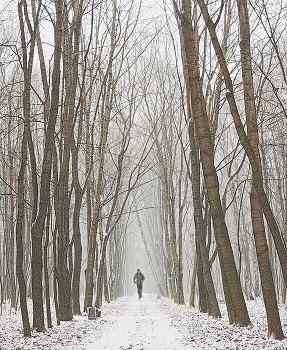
{"x": 64, "y": 274}
{"x": 192, "y": 284}
{"x": 169, "y": 261}
{"x": 228, "y": 267}
{"x": 100, "y": 279}
{"x": 77, "y": 264}
{"x": 62, "y": 212}
{"x": 202, "y": 292}
{"x": 170, "y": 229}
{"x": 105, "y": 121}
{"x": 55, "y": 276}
{"x": 93, "y": 234}
{"x": 19, "y": 242}
{"x": 257, "y": 178}
{"x": 269, "y": 295}
{"x": 27, "y": 68}
{"x": 70, "y": 67}
{"x": 106, "y": 286}
{"x": 76, "y": 234}
{"x": 38, "y": 226}
{"x": 181, "y": 205}
{"x": 46, "y": 272}
{"x": 11, "y": 218}
{"x": 200, "y": 235}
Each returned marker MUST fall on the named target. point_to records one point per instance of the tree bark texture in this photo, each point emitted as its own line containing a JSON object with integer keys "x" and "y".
{"x": 257, "y": 178}
{"x": 46, "y": 272}
{"x": 198, "y": 104}
{"x": 27, "y": 69}
{"x": 200, "y": 234}
{"x": 105, "y": 121}
{"x": 92, "y": 242}
{"x": 268, "y": 290}
{"x": 38, "y": 225}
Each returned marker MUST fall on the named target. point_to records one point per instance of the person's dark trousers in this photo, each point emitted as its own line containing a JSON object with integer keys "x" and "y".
{"x": 140, "y": 289}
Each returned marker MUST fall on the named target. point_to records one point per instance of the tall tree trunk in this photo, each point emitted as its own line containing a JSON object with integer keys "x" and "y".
{"x": 257, "y": 178}
{"x": 92, "y": 242}
{"x": 173, "y": 269}
{"x": 200, "y": 235}
{"x": 100, "y": 279}
{"x": 202, "y": 291}
{"x": 106, "y": 286}
{"x": 62, "y": 212}
{"x": 38, "y": 226}
{"x": 27, "y": 69}
{"x": 70, "y": 67}
{"x": 46, "y": 272}
{"x": 55, "y": 279}
{"x": 169, "y": 260}
{"x": 11, "y": 215}
{"x": 105, "y": 121}
{"x": 192, "y": 283}
{"x": 238, "y": 312}
{"x": 268, "y": 290}
{"x": 63, "y": 272}
{"x": 76, "y": 233}
{"x": 19, "y": 239}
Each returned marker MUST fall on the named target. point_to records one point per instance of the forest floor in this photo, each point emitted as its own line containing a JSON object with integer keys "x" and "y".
{"x": 146, "y": 324}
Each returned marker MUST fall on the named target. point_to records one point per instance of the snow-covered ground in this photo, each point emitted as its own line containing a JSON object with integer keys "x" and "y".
{"x": 146, "y": 324}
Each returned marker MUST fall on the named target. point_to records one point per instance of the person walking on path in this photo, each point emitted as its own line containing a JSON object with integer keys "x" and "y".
{"x": 138, "y": 279}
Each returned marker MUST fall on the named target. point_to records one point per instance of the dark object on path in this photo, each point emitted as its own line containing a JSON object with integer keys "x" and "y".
{"x": 92, "y": 313}
{"x": 138, "y": 279}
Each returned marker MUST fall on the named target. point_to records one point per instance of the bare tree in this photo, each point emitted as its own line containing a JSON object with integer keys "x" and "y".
{"x": 274, "y": 324}
{"x": 236, "y": 306}
{"x": 38, "y": 225}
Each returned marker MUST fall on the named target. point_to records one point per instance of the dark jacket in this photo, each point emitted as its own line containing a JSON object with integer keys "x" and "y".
{"x": 139, "y": 278}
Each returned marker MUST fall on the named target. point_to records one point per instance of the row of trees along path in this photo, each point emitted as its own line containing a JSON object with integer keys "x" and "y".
{"x": 119, "y": 123}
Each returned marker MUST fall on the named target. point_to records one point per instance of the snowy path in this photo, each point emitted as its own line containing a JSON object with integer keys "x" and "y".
{"x": 147, "y": 324}
{"x": 138, "y": 325}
